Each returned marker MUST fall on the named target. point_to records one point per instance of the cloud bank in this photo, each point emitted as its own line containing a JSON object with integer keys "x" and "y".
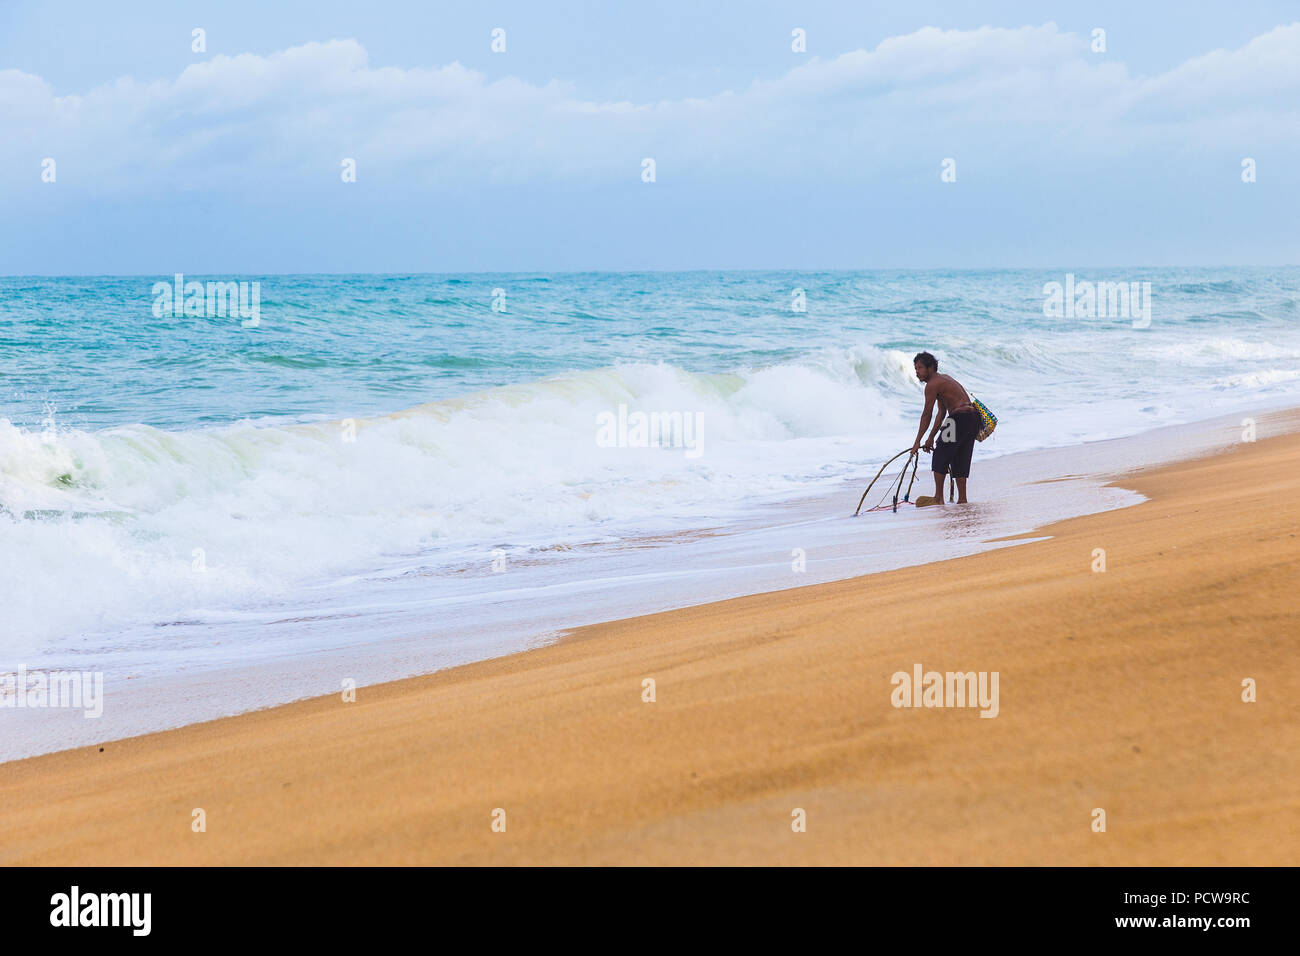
{"x": 275, "y": 119}
{"x": 1027, "y": 108}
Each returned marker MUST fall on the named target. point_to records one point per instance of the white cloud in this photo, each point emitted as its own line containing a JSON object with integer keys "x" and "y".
{"x": 290, "y": 117}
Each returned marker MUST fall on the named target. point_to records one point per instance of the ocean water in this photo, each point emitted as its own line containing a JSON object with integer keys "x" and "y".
{"x": 377, "y": 442}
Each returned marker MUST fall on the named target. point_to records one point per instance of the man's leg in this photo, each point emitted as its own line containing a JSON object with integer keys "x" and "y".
{"x": 939, "y": 476}
{"x": 968, "y": 429}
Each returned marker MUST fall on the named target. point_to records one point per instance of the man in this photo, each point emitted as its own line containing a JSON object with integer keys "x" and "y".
{"x": 956, "y": 436}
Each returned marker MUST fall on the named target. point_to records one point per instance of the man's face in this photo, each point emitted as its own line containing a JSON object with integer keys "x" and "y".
{"x": 922, "y": 371}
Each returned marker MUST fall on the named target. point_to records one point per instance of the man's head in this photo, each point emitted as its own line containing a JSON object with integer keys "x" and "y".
{"x": 925, "y": 365}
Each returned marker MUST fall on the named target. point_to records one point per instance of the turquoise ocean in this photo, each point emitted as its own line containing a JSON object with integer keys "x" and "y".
{"x": 160, "y": 471}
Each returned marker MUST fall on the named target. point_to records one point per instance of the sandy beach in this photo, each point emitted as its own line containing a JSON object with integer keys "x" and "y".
{"x": 1120, "y": 690}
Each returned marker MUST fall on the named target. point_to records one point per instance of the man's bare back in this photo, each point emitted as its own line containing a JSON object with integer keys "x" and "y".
{"x": 947, "y": 392}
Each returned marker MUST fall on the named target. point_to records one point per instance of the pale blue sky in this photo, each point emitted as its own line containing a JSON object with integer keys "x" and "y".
{"x": 467, "y": 160}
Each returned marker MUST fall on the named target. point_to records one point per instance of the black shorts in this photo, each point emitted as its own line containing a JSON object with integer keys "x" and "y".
{"x": 956, "y": 453}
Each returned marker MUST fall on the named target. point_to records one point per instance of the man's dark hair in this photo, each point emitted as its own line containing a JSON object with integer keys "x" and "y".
{"x": 926, "y": 359}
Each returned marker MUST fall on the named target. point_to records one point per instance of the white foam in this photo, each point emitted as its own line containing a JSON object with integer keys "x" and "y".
{"x": 102, "y": 532}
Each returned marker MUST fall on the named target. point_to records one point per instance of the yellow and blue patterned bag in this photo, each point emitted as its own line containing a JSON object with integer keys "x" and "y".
{"x": 989, "y": 420}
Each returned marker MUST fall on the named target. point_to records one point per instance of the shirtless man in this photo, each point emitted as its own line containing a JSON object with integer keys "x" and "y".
{"x": 957, "y": 442}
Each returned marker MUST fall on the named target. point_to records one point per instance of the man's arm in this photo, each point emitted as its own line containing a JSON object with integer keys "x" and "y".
{"x": 931, "y": 394}
{"x": 938, "y": 423}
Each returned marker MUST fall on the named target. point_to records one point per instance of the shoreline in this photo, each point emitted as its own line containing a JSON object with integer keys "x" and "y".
{"x": 391, "y": 630}
{"x": 1120, "y": 690}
